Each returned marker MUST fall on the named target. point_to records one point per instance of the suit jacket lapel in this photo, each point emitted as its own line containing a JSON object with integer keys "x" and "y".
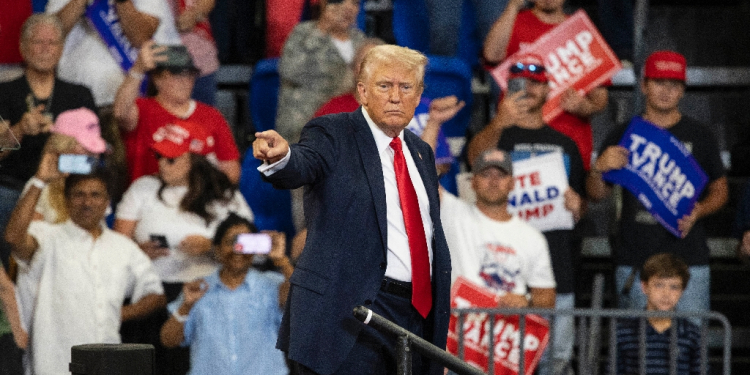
{"x": 368, "y": 152}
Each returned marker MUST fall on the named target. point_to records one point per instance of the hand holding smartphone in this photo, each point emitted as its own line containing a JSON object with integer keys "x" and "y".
{"x": 517, "y": 85}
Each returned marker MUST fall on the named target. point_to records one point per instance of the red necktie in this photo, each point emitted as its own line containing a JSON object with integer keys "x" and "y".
{"x": 421, "y": 295}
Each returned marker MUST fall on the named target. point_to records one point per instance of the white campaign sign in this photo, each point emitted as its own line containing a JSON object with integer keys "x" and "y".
{"x": 538, "y": 195}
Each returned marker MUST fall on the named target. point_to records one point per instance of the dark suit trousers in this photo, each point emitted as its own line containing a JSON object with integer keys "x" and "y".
{"x": 374, "y": 353}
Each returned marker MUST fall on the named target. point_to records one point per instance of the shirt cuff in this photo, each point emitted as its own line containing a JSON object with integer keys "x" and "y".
{"x": 269, "y": 169}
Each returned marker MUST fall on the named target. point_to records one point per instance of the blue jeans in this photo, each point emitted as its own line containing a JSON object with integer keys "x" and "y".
{"x": 8, "y": 199}
{"x": 696, "y": 296}
{"x": 556, "y": 359}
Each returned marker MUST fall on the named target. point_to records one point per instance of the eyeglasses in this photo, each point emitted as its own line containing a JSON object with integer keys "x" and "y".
{"x": 160, "y": 156}
{"x": 531, "y": 68}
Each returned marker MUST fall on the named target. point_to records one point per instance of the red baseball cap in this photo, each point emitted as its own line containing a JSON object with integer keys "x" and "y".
{"x": 529, "y": 66}
{"x": 177, "y": 138}
{"x": 665, "y": 65}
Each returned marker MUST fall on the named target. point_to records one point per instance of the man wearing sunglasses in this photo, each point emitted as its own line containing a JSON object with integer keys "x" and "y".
{"x": 517, "y": 27}
{"x": 519, "y": 129}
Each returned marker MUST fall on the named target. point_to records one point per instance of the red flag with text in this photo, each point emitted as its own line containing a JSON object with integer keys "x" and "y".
{"x": 575, "y": 55}
{"x": 465, "y": 293}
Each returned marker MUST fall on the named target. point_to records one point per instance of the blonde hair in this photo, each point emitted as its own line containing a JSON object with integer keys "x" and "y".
{"x": 389, "y": 55}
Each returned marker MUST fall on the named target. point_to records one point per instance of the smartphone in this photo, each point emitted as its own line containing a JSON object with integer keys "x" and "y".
{"x": 76, "y": 164}
{"x": 253, "y": 243}
{"x": 160, "y": 239}
{"x": 516, "y": 85}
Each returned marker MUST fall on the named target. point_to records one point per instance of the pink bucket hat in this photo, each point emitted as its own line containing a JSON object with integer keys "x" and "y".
{"x": 83, "y": 125}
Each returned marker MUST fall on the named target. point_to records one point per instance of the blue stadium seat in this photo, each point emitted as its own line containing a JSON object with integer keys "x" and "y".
{"x": 450, "y": 76}
{"x": 272, "y": 208}
{"x": 411, "y": 24}
{"x": 468, "y": 35}
{"x": 264, "y": 94}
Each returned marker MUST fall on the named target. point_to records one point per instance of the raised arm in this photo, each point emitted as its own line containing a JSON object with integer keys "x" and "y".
{"x": 173, "y": 331}
{"x": 496, "y": 42}
{"x": 125, "y": 110}
{"x": 71, "y": 13}
{"x": 282, "y": 262}
{"x": 585, "y": 105}
{"x": 23, "y": 245}
{"x": 441, "y": 111}
{"x": 509, "y": 111}
{"x": 139, "y": 27}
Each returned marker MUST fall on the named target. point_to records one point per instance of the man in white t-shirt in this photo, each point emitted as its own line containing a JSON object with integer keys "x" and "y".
{"x": 493, "y": 248}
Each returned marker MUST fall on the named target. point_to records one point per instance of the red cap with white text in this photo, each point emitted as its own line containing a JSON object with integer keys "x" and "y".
{"x": 175, "y": 139}
{"x": 665, "y": 65}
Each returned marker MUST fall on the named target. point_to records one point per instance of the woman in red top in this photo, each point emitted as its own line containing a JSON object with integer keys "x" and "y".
{"x": 172, "y": 75}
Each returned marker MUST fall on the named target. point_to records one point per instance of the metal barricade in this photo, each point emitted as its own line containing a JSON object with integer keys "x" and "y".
{"x": 590, "y": 335}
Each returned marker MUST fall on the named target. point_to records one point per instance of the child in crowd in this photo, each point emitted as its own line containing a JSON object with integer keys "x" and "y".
{"x": 663, "y": 279}
{"x": 231, "y": 318}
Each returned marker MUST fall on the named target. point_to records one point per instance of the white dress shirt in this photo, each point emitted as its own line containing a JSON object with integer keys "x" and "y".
{"x": 80, "y": 285}
{"x": 399, "y": 256}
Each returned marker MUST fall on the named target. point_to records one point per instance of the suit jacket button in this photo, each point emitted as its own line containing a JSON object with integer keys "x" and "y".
{"x": 368, "y": 302}
{"x": 382, "y": 266}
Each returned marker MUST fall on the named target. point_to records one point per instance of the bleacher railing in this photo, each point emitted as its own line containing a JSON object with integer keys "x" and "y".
{"x": 590, "y": 335}
{"x": 589, "y": 327}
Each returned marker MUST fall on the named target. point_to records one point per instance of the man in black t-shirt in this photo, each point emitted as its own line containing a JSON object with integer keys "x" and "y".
{"x": 30, "y": 105}
{"x": 519, "y": 129}
{"x": 640, "y": 235}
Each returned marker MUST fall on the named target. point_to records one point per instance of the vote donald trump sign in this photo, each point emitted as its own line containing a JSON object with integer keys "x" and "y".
{"x": 661, "y": 172}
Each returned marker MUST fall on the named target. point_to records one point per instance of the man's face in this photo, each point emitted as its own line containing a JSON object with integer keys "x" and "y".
{"x": 536, "y": 93}
{"x": 390, "y": 94}
{"x": 42, "y": 51}
{"x": 662, "y": 293}
{"x": 663, "y": 95}
{"x": 342, "y": 15}
{"x": 87, "y": 203}
{"x": 492, "y": 186}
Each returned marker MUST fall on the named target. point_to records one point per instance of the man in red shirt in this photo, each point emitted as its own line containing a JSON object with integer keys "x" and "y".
{"x": 517, "y": 27}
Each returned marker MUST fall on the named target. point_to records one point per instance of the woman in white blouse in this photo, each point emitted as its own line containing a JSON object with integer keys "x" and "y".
{"x": 173, "y": 216}
{"x": 182, "y": 205}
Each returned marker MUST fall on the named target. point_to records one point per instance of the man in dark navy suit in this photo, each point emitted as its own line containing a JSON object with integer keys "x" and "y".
{"x": 372, "y": 212}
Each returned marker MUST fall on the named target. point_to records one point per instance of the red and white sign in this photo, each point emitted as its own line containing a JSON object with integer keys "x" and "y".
{"x": 575, "y": 55}
{"x": 507, "y": 336}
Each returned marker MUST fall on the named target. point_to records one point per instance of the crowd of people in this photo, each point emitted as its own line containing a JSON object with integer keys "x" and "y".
{"x": 120, "y": 210}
